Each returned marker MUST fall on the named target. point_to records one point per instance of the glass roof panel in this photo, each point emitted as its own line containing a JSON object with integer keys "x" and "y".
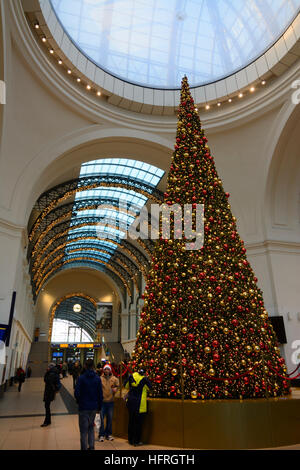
{"x": 108, "y": 221}
{"x": 155, "y": 42}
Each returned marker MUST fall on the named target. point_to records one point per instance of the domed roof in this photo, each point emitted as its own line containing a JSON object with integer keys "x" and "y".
{"x": 153, "y": 43}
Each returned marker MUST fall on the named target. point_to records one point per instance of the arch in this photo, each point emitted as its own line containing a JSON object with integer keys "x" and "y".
{"x": 62, "y": 299}
{"x": 80, "y": 146}
{"x": 282, "y": 188}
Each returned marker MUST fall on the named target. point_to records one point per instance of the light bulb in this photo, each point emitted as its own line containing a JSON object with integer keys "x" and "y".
{"x": 252, "y": 89}
{"x": 241, "y": 95}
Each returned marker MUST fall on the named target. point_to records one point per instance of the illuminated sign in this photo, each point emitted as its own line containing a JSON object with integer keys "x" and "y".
{"x": 85, "y": 345}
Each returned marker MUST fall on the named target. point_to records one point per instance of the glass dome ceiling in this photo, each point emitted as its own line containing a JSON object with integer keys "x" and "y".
{"x": 154, "y": 43}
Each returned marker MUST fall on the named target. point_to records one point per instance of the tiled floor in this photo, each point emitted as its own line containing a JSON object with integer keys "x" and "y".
{"x": 21, "y": 415}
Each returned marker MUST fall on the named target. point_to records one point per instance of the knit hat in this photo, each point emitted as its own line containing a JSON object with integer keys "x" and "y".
{"x": 107, "y": 366}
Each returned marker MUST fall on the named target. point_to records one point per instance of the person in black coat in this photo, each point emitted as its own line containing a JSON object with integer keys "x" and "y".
{"x": 52, "y": 386}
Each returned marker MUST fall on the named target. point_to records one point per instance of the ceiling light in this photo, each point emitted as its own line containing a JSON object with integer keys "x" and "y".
{"x": 263, "y": 82}
{"x": 44, "y": 39}
{"x": 69, "y": 72}
{"x": 37, "y": 26}
{"x": 78, "y": 80}
{"x": 88, "y": 87}
{"x": 98, "y": 93}
{"x": 51, "y": 51}
{"x": 230, "y": 100}
{"x": 241, "y": 95}
{"x": 60, "y": 62}
{"x": 207, "y": 106}
{"x": 252, "y": 89}
{"x": 219, "y": 104}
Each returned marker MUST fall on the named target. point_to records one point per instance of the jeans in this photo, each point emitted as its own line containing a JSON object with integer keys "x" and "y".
{"x": 86, "y": 426}
{"x": 106, "y": 410}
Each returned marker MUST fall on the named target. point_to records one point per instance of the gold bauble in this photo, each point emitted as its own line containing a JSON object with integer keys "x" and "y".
{"x": 184, "y": 330}
{"x": 211, "y": 372}
{"x": 164, "y": 350}
{"x": 174, "y": 372}
{"x": 194, "y": 395}
{"x": 207, "y": 350}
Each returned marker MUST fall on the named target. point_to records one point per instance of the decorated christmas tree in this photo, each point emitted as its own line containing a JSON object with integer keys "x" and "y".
{"x": 204, "y": 331}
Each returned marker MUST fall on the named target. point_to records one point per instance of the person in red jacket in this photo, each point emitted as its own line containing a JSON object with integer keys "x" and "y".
{"x": 20, "y": 377}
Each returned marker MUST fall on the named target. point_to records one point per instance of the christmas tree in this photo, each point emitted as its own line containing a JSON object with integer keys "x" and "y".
{"x": 204, "y": 331}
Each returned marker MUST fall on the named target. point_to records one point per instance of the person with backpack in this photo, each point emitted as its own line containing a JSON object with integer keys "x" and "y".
{"x": 136, "y": 401}
{"x": 20, "y": 377}
{"x": 52, "y": 386}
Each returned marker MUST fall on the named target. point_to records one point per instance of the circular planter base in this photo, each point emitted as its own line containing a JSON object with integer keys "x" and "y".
{"x": 216, "y": 424}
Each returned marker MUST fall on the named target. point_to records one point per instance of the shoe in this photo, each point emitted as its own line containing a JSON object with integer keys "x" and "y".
{"x": 110, "y": 438}
{"x": 101, "y": 439}
{"x": 139, "y": 444}
{"x": 45, "y": 424}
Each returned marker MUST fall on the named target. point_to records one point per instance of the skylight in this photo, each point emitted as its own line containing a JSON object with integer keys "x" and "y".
{"x": 154, "y": 43}
{"x": 117, "y": 211}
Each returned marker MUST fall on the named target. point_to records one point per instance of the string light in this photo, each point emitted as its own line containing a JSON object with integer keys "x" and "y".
{"x": 98, "y": 93}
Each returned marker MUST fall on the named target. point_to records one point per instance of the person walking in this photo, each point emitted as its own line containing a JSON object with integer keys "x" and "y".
{"x": 20, "y": 377}
{"x": 52, "y": 386}
{"x": 64, "y": 369}
{"x": 110, "y": 385}
{"x": 89, "y": 396}
{"x": 138, "y": 386}
{"x": 76, "y": 371}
